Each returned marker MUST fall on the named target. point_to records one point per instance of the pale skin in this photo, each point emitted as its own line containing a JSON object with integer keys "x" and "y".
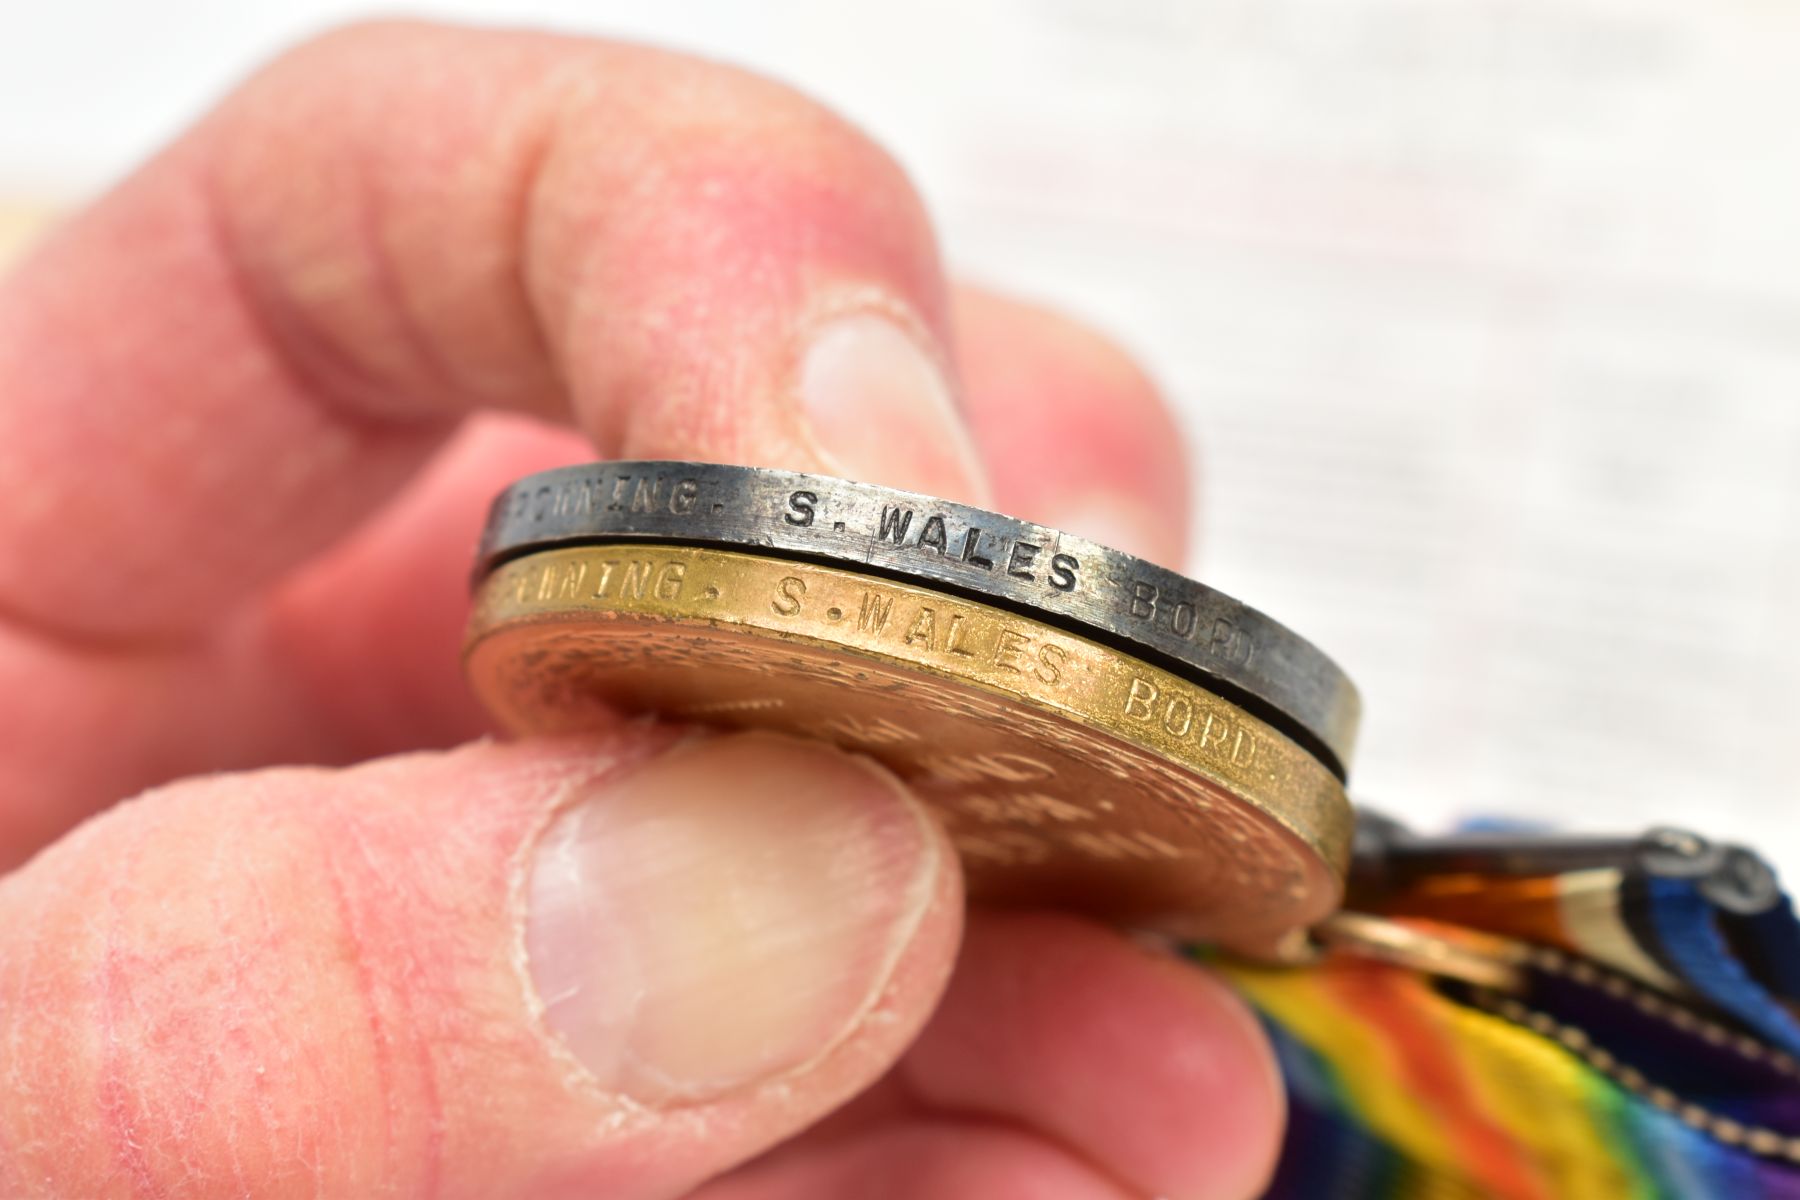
{"x": 252, "y": 404}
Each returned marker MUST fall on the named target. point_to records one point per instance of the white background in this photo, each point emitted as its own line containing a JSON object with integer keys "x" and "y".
{"x": 1484, "y": 317}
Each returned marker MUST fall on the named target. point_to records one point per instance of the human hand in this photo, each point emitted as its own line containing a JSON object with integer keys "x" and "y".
{"x": 645, "y": 964}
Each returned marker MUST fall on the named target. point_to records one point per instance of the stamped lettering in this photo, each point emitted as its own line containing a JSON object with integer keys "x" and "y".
{"x": 1176, "y": 715}
{"x": 894, "y": 524}
{"x": 632, "y": 579}
{"x": 787, "y": 596}
{"x": 872, "y": 614}
{"x": 801, "y": 506}
{"x": 1222, "y": 640}
{"x": 607, "y": 493}
{"x": 981, "y": 556}
{"x": 1009, "y": 651}
{"x": 973, "y": 546}
{"x": 972, "y": 543}
{"x": 1020, "y": 558}
{"x": 556, "y": 581}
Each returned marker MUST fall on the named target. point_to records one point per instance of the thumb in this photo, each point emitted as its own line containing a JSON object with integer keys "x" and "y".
{"x": 602, "y": 967}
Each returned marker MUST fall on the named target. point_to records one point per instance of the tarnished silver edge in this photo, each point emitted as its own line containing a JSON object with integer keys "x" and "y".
{"x": 1068, "y": 580}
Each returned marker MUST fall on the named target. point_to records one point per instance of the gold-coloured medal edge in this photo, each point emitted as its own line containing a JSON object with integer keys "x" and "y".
{"x": 919, "y": 628}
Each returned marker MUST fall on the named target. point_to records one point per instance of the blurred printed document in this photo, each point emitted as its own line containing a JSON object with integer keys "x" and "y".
{"x": 1486, "y": 317}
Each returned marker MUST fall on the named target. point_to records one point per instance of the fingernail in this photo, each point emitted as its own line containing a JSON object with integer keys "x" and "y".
{"x": 880, "y": 410}
{"x": 1119, "y": 523}
{"x": 724, "y": 914}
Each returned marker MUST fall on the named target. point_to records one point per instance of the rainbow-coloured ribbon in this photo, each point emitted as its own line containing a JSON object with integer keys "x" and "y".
{"x": 1643, "y": 1042}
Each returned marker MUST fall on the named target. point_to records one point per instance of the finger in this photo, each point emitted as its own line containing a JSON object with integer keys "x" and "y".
{"x": 248, "y": 345}
{"x": 19, "y": 223}
{"x": 1149, "y": 1068}
{"x": 1075, "y": 434}
{"x": 356, "y": 656}
{"x": 370, "y": 631}
{"x": 926, "y": 1160}
{"x": 608, "y": 968}
{"x": 396, "y": 594}
{"x": 353, "y": 657}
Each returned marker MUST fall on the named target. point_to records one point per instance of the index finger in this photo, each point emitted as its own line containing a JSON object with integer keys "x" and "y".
{"x": 242, "y": 350}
